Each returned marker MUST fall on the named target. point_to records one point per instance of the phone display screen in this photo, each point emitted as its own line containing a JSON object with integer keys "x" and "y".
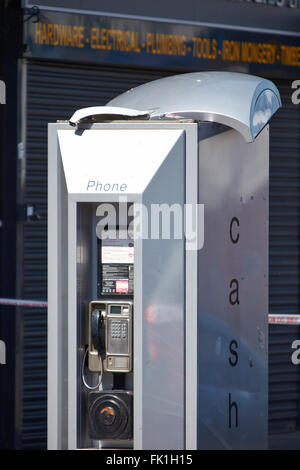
{"x": 115, "y": 309}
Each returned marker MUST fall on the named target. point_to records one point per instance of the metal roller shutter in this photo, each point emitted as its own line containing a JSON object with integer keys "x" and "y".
{"x": 284, "y": 378}
{"x": 285, "y": 205}
{"x": 54, "y": 91}
{"x": 284, "y": 388}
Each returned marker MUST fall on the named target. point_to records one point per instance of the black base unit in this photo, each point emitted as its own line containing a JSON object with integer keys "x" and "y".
{"x": 110, "y": 415}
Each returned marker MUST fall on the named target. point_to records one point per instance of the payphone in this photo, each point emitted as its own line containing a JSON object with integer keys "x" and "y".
{"x": 110, "y": 412}
{"x": 109, "y": 350}
{"x": 110, "y": 326}
{"x": 158, "y": 267}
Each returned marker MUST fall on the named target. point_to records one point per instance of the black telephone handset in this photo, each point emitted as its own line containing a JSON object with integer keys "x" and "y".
{"x": 98, "y": 331}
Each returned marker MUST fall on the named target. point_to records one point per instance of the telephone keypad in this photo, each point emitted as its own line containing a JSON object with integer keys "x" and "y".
{"x": 116, "y": 329}
{"x": 117, "y": 339}
{"x": 119, "y": 329}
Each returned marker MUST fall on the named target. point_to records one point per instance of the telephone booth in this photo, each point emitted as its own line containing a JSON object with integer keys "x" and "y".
{"x": 158, "y": 267}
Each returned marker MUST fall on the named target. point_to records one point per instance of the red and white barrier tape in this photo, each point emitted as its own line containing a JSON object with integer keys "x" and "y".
{"x": 24, "y": 303}
{"x": 279, "y": 319}
{"x": 274, "y": 318}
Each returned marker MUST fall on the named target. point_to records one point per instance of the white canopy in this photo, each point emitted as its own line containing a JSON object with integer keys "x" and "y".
{"x": 240, "y": 101}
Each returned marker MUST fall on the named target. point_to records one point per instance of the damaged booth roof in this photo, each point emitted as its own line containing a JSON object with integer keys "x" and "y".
{"x": 243, "y": 102}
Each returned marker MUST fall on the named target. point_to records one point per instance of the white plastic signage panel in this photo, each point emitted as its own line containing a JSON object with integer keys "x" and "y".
{"x": 111, "y": 161}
